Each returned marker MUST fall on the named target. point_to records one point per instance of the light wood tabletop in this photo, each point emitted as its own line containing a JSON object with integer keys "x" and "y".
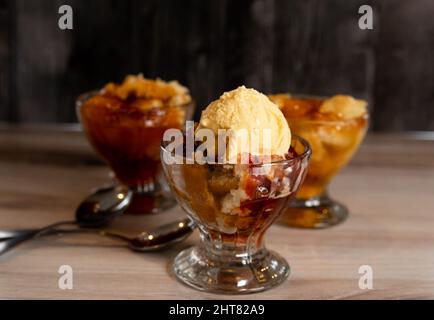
{"x": 389, "y": 188}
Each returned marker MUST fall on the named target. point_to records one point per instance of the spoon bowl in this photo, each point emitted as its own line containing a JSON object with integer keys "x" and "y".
{"x": 163, "y": 236}
{"x": 102, "y": 206}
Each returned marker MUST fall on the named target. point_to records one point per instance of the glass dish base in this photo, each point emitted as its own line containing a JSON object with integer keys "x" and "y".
{"x": 202, "y": 270}
{"x": 149, "y": 202}
{"x": 315, "y": 213}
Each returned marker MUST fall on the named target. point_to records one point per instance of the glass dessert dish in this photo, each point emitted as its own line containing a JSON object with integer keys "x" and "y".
{"x": 334, "y": 128}
{"x": 233, "y": 206}
{"x": 125, "y": 124}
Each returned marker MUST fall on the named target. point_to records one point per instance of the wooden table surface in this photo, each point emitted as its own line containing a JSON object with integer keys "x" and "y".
{"x": 389, "y": 188}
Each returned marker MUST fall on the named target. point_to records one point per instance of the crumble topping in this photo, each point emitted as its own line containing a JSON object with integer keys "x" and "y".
{"x": 149, "y": 91}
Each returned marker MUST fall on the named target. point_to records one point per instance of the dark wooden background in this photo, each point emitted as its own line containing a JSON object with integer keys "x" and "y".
{"x": 309, "y": 46}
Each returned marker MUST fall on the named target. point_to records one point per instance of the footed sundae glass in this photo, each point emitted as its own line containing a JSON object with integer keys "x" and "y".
{"x": 127, "y": 136}
{"x": 334, "y": 132}
{"x": 231, "y": 256}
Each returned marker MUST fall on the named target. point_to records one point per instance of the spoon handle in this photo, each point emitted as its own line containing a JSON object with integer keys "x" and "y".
{"x": 24, "y": 236}
{"x": 8, "y": 244}
{"x": 7, "y": 234}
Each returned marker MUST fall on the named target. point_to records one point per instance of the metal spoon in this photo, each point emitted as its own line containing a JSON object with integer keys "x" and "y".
{"x": 156, "y": 239}
{"x": 95, "y": 211}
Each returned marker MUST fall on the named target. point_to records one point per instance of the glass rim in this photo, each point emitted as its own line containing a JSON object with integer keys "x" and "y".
{"x": 306, "y": 153}
{"x": 365, "y": 116}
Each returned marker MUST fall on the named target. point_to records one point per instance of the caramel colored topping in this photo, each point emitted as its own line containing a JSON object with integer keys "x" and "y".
{"x": 339, "y": 107}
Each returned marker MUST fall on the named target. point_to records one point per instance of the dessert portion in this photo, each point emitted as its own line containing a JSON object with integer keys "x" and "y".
{"x": 237, "y": 193}
{"x": 333, "y": 126}
{"x": 237, "y": 201}
{"x": 125, "y": 123}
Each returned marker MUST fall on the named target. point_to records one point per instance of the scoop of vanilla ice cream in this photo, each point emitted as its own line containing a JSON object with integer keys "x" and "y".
{"x": 256, "y": 125}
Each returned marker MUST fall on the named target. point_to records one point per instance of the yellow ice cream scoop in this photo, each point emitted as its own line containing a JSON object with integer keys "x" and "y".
{"x": 253, "y": 124}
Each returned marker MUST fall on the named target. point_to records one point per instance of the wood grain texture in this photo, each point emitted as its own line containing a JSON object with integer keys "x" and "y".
{"x": 389, "y": 193}
{"x": 310, "y": 46}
